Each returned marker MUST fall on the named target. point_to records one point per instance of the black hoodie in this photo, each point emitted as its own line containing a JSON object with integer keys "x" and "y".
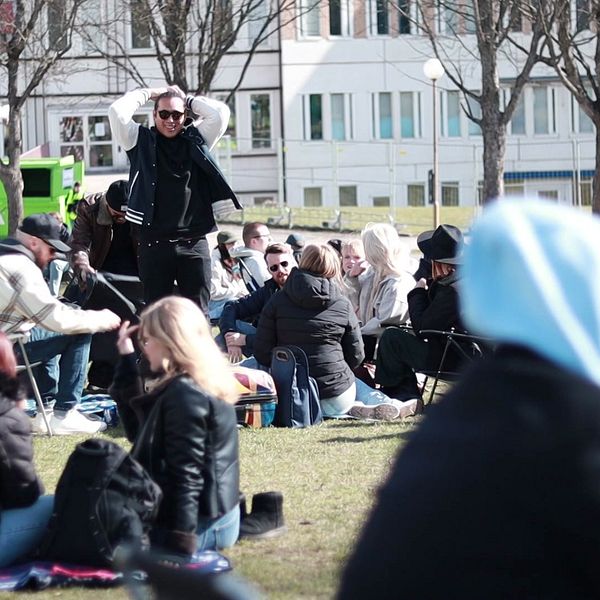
{"x": 312, "y": 313}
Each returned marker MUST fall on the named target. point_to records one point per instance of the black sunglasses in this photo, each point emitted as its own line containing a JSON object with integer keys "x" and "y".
{"x": 165, "y": 114}
{"x": 283, "y": 264}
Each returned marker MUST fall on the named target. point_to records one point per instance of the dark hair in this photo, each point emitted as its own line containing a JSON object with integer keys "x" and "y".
{"x": 9, "y": 384}
{"x": 226, "y": 259}
{"x": 169, "y": 94}
{"x": 278, "y": 248}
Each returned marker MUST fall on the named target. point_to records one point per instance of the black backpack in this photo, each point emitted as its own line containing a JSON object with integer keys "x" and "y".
{"x": 104, "y": 498}
{"x": 298, "y": 402}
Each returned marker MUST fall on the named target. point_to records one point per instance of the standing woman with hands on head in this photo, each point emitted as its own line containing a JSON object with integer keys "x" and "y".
{"x": 184, "y": 431}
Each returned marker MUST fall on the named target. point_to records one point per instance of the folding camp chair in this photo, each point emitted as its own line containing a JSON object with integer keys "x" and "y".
{"x": 27, "y": 366}
{"x": 467, "y": 347}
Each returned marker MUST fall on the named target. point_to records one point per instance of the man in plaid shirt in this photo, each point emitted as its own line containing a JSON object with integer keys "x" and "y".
{"x": 59, "y": 335}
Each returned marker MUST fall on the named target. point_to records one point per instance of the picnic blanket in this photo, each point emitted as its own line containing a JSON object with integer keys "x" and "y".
{"x": 40, "y": 575}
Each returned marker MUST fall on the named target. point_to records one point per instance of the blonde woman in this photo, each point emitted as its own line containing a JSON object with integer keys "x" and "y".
{"x": 184, "y": 431}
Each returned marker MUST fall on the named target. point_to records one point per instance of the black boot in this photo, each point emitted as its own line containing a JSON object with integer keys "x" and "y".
{"x": 266, "y": 519}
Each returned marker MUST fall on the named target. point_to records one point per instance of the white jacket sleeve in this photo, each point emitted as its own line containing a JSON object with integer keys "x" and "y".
{"x": 213, "y": 117}
{"x": 120, "y": 115}
{"x": 24, "y": 292}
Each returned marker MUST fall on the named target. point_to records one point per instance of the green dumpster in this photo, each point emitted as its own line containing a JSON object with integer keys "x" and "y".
{"x": 47, "y": 182}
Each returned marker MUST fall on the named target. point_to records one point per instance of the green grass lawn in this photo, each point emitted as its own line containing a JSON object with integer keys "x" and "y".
{"x": 328, "y": 474}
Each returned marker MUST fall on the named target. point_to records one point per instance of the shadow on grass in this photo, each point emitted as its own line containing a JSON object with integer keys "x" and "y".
{"x": 403, "y": 436}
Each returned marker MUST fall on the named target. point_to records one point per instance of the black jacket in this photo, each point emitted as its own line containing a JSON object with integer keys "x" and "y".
{"x": 495, "y": 496}
{"x": 19, "y": 485}
{"x": 247, "y": 309}
{"x": 312, "y": 313}
{"x": 437, "y": 308}
{"x": 188, "y": 443}
{"x": 143, "y": 174}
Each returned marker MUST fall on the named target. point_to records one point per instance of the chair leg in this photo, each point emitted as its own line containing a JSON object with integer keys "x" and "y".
{"x": 34, "y": 387}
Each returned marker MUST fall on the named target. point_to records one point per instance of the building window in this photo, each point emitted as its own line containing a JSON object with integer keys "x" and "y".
{"x": 415, "y": 194}
{"x": 348, "y": 195}
{"x": 581, "y": 123}
{"x": 264, "y": 201}
{"x": 468, "y": 17}
{"x": 447, "y": 14}
{"x": 450, "y": 196}
{"x": 544, "y": 118}
{"x": 585, "y": 193}
{"x": 475, "y": 108}
{"x": 256, "y": 23}
{"x": 410, "y": 114}
{"x": 404, "y": 24}
{"x": 313, "y": 196}
{"x": 451, "y": 114}
{"x": 310, "y": 19}
{"x": 71, "y": 137}
{"x": 100, "y": 140}
{"x": 341, "y": 117}
{"x": 379, "y": 17}
{"x": 581, "y": 18}
{"x": 517, "y": 121}
{"x": 57, "y": 34}
{"x": 339, "y": 18}
{"x": 260, "y": 110}
{"x": 381, "y": 200}
{"x": 312, "y": 111}
{"x": 383, "y": 128}
{"x": 140, "y": 25}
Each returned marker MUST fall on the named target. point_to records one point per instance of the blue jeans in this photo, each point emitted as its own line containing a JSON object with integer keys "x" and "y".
{"x": 215, "y": 534}
{"x": 64, "y": 365}
{"x": 22, "y": 529}
{"x": 339, "y": 405}
{"x": 370, "y": 396}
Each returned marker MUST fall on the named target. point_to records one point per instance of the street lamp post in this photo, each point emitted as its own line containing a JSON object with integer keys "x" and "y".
{"x": 434, "y": 70}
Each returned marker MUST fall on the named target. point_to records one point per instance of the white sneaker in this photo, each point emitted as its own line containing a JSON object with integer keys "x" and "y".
{"x": 74, "y": 422}
{"x": 37, "y": 423}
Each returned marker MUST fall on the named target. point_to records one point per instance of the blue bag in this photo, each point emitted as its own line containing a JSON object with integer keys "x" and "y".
{"x": 298, "y": 395}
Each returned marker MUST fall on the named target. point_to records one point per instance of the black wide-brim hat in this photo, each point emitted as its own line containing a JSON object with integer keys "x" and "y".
{"x": 443, "y": 244}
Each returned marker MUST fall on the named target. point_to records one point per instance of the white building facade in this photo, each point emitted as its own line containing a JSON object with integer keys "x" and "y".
{"x": 334, "y": 111}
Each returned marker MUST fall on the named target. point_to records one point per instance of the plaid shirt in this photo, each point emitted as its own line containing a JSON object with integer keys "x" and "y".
{"x": 26, "y": 301}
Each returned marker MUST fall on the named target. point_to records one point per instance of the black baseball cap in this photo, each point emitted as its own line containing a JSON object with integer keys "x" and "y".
{"x": 45, "y": 227}
{"x": 116, "y": 195}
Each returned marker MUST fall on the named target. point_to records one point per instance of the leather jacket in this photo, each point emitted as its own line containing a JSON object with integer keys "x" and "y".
{"x": 92, "y": 231}
{"x": 188, "y": 443}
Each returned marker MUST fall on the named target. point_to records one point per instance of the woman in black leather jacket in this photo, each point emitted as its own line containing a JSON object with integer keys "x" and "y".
{"x": 184, "y": 430}
{"x": 25, "y": 512}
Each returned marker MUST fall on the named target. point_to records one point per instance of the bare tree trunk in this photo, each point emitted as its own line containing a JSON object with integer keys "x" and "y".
{"x": 494, "y": 148}
{"x": 596, "y": 179}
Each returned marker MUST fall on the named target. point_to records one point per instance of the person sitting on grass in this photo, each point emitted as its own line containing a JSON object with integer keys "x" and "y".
{"x": 25, "y": 511}
{"x": 383, "y": 288}
{"x": 237, "y": 331}
{"x": 226, "y": 282}
{"x": 432, "y": 305}
{"x": 354, "y": 264}
{"x": 184, "y": 431}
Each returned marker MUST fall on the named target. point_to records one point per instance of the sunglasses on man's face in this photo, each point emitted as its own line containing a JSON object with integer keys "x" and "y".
{"x": 165, "y": 114}
{"x": 283, "y": 264}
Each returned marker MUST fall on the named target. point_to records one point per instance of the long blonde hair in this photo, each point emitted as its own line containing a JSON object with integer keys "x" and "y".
{"x": 386, "y": 254}
{"x": 179, "y": 325}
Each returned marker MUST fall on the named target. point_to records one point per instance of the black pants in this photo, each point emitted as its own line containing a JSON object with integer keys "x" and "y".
{"x": 187, "y": 262}
{"x": 400, "y": 353}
